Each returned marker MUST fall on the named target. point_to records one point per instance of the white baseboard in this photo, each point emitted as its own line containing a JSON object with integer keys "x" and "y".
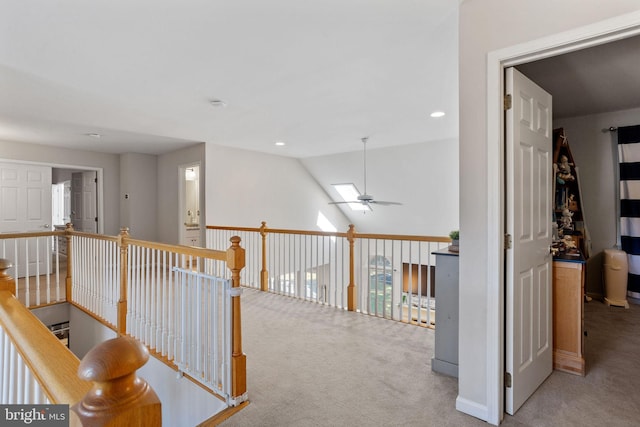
{"x": 472, "y": 408}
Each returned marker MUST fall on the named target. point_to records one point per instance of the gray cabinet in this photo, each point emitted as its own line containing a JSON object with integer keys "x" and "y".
{"x": 445, "y": 359}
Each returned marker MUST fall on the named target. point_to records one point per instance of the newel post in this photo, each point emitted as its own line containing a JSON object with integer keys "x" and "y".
{"x": 235, "y": 263}
{"x": 351, "y": 288}
{"x": 124, "y": 259}
{"x": 264, "y": 274}
{"x": 68, "y": 280}
{"x": 6, "y": 282}
{"x": 118, "y": 397}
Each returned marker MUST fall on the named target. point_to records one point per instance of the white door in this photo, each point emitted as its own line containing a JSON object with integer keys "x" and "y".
{"x": 84, "y": 201}
{"x": 528, "y": 341}
{"x": 25, "y": 205}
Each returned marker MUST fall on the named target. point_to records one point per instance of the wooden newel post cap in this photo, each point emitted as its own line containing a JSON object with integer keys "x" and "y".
{"x": 113, "y": 359}
{"x": 118, "y": 396}
{"x": 5, "y": 264}
{"x": 6, "y": 281}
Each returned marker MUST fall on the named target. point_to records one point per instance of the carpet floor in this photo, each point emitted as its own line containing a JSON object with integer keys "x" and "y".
{"x": 311, "y": 365}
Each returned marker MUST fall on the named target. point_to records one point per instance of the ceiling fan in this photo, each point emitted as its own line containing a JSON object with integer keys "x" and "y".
{"x": 366, "y": 199}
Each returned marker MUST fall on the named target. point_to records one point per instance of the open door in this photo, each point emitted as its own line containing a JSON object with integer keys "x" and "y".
{"x": 529, "y": 333}
{"x": 84, "y": 201}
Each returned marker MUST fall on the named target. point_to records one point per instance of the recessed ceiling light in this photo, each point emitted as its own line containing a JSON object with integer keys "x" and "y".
{"x": 437, "y": 114}
{"x": 94, "y": 135}
{"x": 280, "y": 144}
{"x": 218, "y": 103}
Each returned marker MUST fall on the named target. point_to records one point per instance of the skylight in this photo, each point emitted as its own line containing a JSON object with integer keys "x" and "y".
{"x": 349, "y": 193}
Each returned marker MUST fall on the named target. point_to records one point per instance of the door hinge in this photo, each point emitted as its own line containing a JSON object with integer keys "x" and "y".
{"x": 96, "y": 219}
{"x": 507, "y": 380}
{"x": 507, "y": 241}
{"x": 95, "y": 180}
{"x": 507, "y": 102}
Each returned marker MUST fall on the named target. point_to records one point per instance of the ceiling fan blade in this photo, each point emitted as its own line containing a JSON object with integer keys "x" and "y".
{"x": 382, "y": 203}
{"x": 344, "y": 202}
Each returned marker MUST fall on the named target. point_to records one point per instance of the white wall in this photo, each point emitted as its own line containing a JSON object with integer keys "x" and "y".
{"x": 183, "y": 402}
{"x": 247, "y": 187}
{"x": 85, "y": 332}
{"x": 52, "y": 314}
{"x": 594, "y": 152}
{"x": 109, "y": 163}
{"x": 139, "y": 212}
{"x": 485, "y": 26}
{"x": 423, "y": 177}
{"x": 168, "y": 166}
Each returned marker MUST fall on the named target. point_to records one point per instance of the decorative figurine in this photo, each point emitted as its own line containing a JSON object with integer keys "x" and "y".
{"x": 564, "y": 170}
{"x": 566, "y": 219}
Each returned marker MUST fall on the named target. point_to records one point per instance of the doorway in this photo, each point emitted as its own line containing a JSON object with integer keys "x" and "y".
{"x": 75, "y": 198}
{"x": 190, "y": 220}
{"x": 497, "y": 62}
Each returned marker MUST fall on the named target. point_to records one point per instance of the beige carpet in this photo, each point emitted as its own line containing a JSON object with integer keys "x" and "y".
{"x": 310, "y": 365}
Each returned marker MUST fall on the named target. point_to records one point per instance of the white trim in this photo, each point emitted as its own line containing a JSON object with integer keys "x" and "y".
{"x": 99, "y": 187}
{"x": 182, "y": 200}
{"x": 605, "y": 31}
{"x": 495, "y": 233}
{"x": 471, "y": 408}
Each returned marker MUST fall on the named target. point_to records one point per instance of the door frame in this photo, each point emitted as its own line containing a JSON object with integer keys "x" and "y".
{"x": 182, "y": 198}
{"x": 609, "y": 30}
{"x": 99, "y": 188}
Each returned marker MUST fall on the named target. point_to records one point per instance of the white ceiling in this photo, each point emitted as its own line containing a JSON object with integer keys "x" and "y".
{"x": 318, "y": 75}
{"x": 600, "y": 79}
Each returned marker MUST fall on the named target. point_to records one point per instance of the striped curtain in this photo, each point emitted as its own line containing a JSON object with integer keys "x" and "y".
{"x": 629, "y": 164}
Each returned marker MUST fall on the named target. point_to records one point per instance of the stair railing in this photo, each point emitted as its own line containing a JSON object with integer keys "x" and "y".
{"x": 37, "y": 369}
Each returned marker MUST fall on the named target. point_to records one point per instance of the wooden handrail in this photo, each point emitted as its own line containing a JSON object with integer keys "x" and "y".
{"x": 222, "y": 227}
{"x": 38, "y": 347}
{"x": 234, "y": 257}
{"x": 71, "y": 232}
{"x": 264, "y": 229}
{"x": 31, "y": 234}
{"x": 183, "y": 250}
{"x": 351, "y": 236}
{"x": 118, "y": 396}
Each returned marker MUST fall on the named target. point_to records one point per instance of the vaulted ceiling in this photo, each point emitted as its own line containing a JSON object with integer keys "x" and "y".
{"x": 317, "y": 76}
{"x": 142, "y": 74}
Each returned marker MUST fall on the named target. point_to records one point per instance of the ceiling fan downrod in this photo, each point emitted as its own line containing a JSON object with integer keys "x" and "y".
{"x": 364, "y": 143}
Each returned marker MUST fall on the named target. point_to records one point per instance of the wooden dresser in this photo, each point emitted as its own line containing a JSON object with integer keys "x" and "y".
{"x": 568, "y": 314}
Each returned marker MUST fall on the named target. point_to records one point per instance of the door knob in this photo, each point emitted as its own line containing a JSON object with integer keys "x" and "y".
{"x": 47, "y": 226}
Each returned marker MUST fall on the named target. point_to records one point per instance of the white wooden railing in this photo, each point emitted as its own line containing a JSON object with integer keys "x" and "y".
{"x": 165, "y": 296}
{"x": 95, "y": 278}
{"x": 390, "y": 276}
{"x": 37, "y": 371}
{"x": 19, "y": 385}
{"x": 38, "y": 269}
